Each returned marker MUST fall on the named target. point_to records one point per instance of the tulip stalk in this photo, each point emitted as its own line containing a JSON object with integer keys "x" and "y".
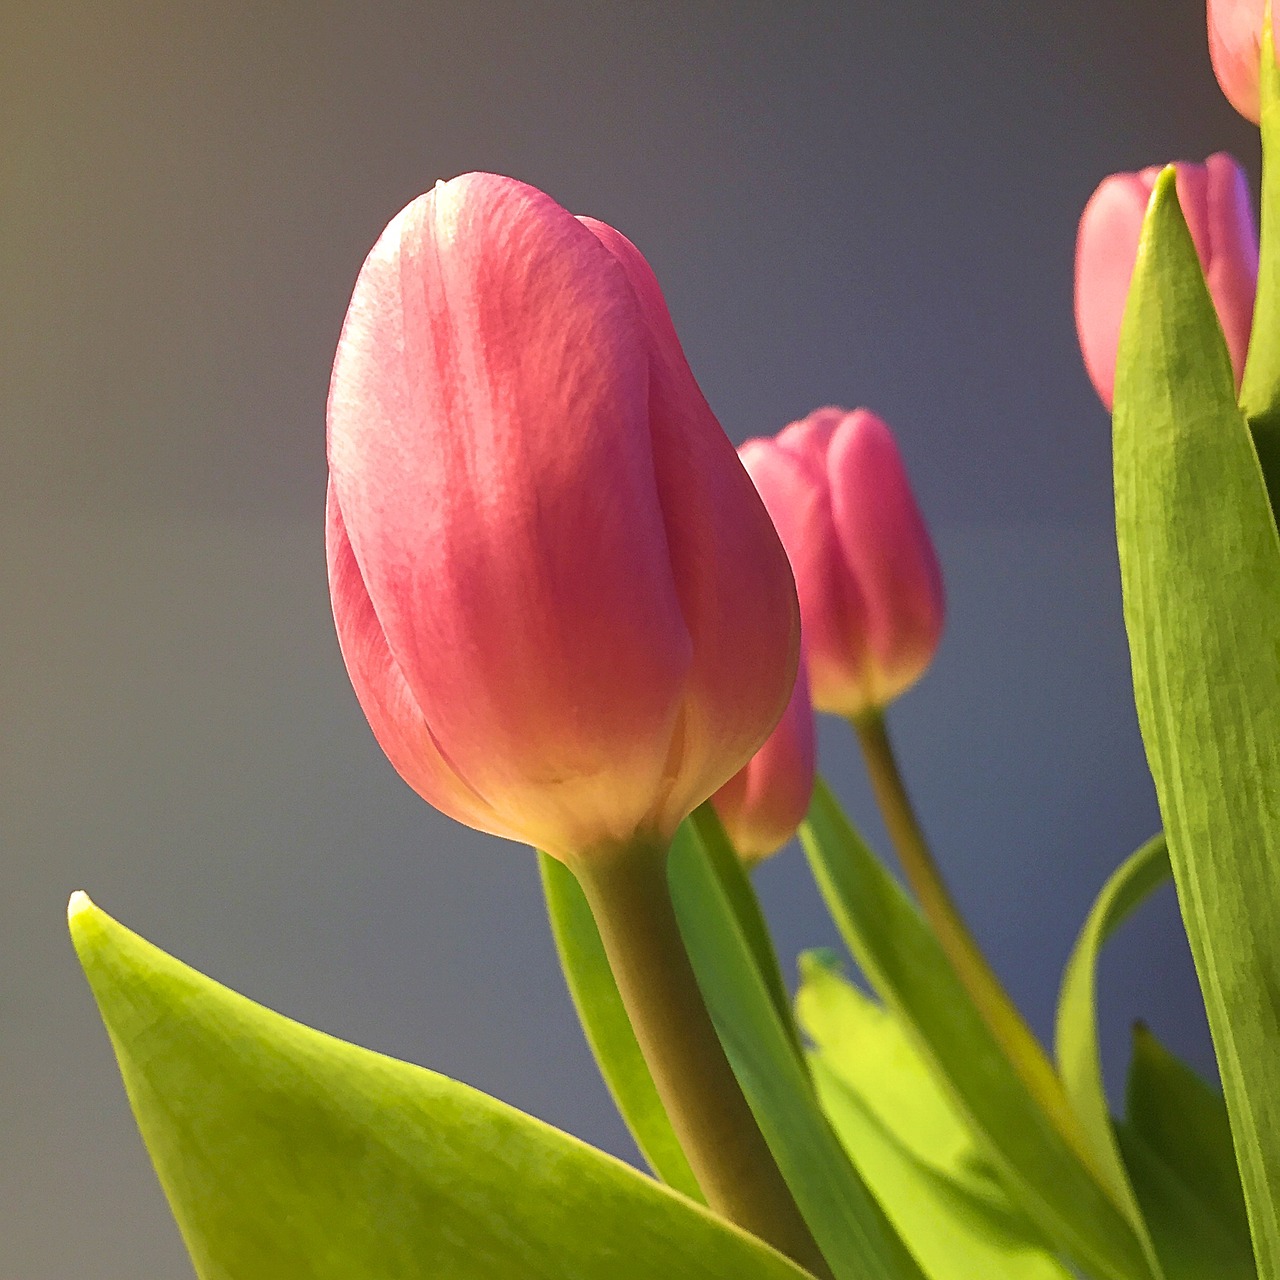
{"x": 626, "y": 887}
{"x": 958, "y": 944}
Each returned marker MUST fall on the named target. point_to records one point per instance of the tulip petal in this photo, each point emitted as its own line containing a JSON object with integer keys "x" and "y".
{"x": 889, "y": 553}
{"x": 386, "y": 699}
{"x": 766, "y": 800}
{"x": 1106, "y": 250}
{"x": 796, "y": 492}
{"x": 731, "y": 572}
{"x": 1235, "y": 49}
{"x": 490, "y": 450}
{"x": 1232, "y": 274}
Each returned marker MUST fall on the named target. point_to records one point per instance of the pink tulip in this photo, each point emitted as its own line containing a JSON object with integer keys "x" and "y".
{"x": 766, "y": 800}
{"x": 1215, "y": 202}
{"x": 871, "y": 597}
{"x": 562, "y": 605}
{"x": 1235, "y": 49}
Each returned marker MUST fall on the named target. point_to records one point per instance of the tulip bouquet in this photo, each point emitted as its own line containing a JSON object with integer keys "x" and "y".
{"x": 577, "y": 619}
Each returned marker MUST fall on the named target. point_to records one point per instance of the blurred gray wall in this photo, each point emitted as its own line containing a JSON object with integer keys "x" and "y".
{"x": 867, "y": 203}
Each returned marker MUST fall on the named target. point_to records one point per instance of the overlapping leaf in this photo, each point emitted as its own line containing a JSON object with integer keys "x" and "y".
{"x": 1200, "y": 568}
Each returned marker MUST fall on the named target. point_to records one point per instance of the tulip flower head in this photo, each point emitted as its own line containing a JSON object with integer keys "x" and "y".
{"x": 871, "y": 595}
{"x": 564, "y": 609}
{"x": 766, "y": 800}
{"x": 1235, "y": 49}
{"x": 1215, "y": 202}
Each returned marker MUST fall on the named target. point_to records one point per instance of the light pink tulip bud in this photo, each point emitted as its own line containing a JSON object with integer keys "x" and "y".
{"x": 1235, "y": 49}
{"x": 562, "y": 605}
{"x": 766, "y": 800}
{"x": 871, "y": 597}
{"x": 1215, "y": 202}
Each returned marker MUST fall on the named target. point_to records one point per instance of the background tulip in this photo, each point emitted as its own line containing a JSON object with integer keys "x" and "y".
{"x": 1215, "y": 202}
{"x": 871, "y": 596}
{"x": 562, "y": 606}
{"x": 766, "y": 800}
{"x": 1235, "y": 48}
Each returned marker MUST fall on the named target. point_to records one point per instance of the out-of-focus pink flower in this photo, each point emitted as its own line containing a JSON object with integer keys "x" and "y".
{"x": 1235, "y": 49}
{"x": 1215, "y": 202}
{"x": 562, "y": 605}
{"x": 766, "y": 800}
{"x": 871, "y": 596}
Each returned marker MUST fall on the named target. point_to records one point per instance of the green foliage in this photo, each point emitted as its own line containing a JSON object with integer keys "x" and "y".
{"x": 1200, "y": 568}
{"x": 286, "y": 1153}
{"x": 1177, "y": 1144}
{"x": 851, "y": 1229}
{"x": 608, "y": 1030}
{"x": 905, "y": 964}
{"x": 909, "y": 1142}
{"x": 1079, "y": 1058}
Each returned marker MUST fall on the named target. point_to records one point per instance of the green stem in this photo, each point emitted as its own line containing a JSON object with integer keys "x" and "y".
{"x": 997, "y": 1009}
{"x": 626, "y": 887}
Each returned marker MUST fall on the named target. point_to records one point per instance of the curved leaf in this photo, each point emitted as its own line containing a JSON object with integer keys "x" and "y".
{"x": 287, "y": 1153}
{"x": 1076, "y": 1038}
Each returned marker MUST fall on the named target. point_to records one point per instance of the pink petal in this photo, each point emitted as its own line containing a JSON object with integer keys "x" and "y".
{"x": 731, "y": 572}
{"x": 490, "y": 451}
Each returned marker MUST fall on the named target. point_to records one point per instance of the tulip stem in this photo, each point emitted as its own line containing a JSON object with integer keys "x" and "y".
{"x": 993, "y": 1002}
{"x": 626, "y": 887}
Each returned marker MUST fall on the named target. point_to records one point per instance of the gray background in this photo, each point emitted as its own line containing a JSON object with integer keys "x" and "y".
{"x": 860, "y": 203}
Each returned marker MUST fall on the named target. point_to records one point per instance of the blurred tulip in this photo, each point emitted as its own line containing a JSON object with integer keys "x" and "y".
{"x": 766, "y": 800}
{"x": 1215, "y": 202}
{"x": 562, "y": 605}
{"x": 1235, "y": 49}
{"x": 871, "y": 597}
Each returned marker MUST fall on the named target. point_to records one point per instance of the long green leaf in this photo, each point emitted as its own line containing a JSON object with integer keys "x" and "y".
{"x": 1079, "y": 1057}
{"x": 608, "y": 1029}
{"x": 741, "y": 896}
{"x": 851, "y": 1229}
{"x": 1176, "y": 1142}
{"x": 905, "y": 964}
{"x": 1260, "y": 391}
{"x": 286, "y": 1153}
{"x": 1200, "y": 570}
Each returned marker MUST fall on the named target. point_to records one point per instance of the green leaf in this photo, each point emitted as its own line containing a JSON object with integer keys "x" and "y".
{"x": 741, "y": 897}
{"x": 1260, "y": 390}
{"x": 906, "y": 1138}
{"x": 954, "y": 1233}
{"x": 1177, "y": 1144}
{"x": 286, "y": 1153}
{"x": 608, "y": 1030}
{"x": 850, "y": 1227}
{"x": 1200, "y": 570}
{"x": 905, "y": 964}
{"x": 1079, "y": 1058}
{"x": 866, "y": 1048}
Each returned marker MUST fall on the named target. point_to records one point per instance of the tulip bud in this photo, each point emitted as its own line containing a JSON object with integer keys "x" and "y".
{"x": 1235, "y": 49}
{"x": 766, "y": 800}
{"x": 1215, "y": 202}
{"x": 562, "y": 605}
{"x": 871, "y": 597}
